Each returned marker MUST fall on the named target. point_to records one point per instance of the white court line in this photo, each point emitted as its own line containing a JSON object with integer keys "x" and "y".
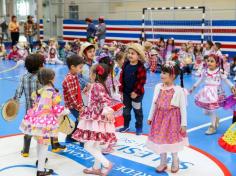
{"x": 207, "y": 124}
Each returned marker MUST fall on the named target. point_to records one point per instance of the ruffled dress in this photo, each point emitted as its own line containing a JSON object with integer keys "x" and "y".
{"x": 93, "y": 124}
{"x": 42, "y": 120}
{"x": 228, "y": 140}
{"x": 212, "y": 95}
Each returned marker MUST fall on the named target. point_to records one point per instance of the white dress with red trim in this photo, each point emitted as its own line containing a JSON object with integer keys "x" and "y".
{"x": 211, "y": 96}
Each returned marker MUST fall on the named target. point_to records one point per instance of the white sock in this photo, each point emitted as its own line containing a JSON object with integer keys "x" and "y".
{"x": 213, "y": 118}
{"x": 212, "y": 115}
{"x": 174, "y": 157}
{"x": 94, "y": 149}
{"x": 42, "y": 154}
{"x": 163, "y": 157}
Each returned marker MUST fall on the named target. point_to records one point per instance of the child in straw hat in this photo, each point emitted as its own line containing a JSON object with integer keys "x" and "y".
{"x": 132, "y": 79}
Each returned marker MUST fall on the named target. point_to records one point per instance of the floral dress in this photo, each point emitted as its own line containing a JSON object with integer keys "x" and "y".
{"x": 93, "y": 124}
{"x": 42, "y": 120}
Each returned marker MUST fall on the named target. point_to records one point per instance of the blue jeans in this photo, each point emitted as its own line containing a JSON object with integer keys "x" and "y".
{"x": 75, "y": 113}
{"x": 30, "y": 41}
{"x": 136, "y": 105}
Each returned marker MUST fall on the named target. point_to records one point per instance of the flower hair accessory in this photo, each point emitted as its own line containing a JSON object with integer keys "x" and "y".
{"x": 100, "y": 70}
{"x": 170, "y": 64}
{"x": 102, "y": 55}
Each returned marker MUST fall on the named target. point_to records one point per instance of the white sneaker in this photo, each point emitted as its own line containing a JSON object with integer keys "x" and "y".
{"x": 211, "y": 130}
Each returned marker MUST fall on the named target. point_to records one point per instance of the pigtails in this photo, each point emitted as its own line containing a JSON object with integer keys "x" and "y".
{"x": 54, "y": 87}
{"x": 222, "y": 64}
{"x": 181, "y": 78}
{"x": 112, "y": 81}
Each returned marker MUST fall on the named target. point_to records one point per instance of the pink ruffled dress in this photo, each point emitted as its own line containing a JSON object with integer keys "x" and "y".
{"x": 42, "y": 120}
{"x": 212, "y": 95}
{"x": 93, "y": 124}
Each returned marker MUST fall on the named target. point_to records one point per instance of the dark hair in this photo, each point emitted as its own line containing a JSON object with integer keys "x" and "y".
{"x": 12, "y": 17}
{"x": 74, "y": 60}
{"x": 110, "y": 63}
{"x": 196, "y": 50}
{"x": 28, "y": 19}
{"x": 33, "y": 62}
{"x": 209, "y": 42}
{"x": 218, "y": 44}
{"x": 88, "y": 20}
{"x": 101, "y": 20}
{"x": 177, "y": 71}
{"x": 88, "y": 48}
{"x": 101, "y": 78}
{"x": 173, "y": 44}
{"x": 205, "y": 57}
{"x": 45, "y": 77}
{"x": 120, "y": 55}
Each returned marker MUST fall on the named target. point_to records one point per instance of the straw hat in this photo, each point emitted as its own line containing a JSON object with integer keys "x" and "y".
{"x": 83, "y": 47}
{"x": 10, "y": 110}
{"x": 139, "y": 49}
{"x": 154, "y": 52}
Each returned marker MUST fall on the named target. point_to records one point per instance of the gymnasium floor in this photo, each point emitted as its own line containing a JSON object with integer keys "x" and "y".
{"x": 204, "y": 157}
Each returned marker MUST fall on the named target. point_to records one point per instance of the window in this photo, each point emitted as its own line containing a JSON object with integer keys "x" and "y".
{"x": 22, "y": 8}
{"x": 74, "y": 12}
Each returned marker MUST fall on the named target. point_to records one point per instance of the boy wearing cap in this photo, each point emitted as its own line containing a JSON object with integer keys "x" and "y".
{"x": 133, "y": 79}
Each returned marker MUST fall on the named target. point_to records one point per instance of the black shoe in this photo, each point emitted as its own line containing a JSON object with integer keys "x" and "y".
{"x": 57, "y": 147}
{"x": 44, "y": 173}
{"x": 69, "y": 139}
{"x": 46, "y": 160}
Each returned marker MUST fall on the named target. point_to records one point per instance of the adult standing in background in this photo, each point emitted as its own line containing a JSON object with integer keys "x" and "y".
{"x": 30, "y": 30}
{"x": 91, "y": 30}
{"x": 101, "y": 32}
{"x": 14, "y": 29}
{"x": 4, "y": 27}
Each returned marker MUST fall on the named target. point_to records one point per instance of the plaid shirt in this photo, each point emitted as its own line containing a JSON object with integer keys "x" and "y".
{"x": 153, "y": 64}
{"x": 72, "y": 92}
{"x": 28, "y": 84}
{"x": 141, "y": 79}
{"x": 29, "y": 29}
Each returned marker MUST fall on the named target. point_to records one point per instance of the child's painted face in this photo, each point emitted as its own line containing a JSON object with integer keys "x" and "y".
{"x": 211, "y": 63}
{"x": 90, "y": 54}
{"x": 133, "y": 56}
{"x": 167, "y": 78}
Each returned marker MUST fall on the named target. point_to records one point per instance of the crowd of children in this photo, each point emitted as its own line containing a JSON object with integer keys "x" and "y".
{"x": 100, "y": 90}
